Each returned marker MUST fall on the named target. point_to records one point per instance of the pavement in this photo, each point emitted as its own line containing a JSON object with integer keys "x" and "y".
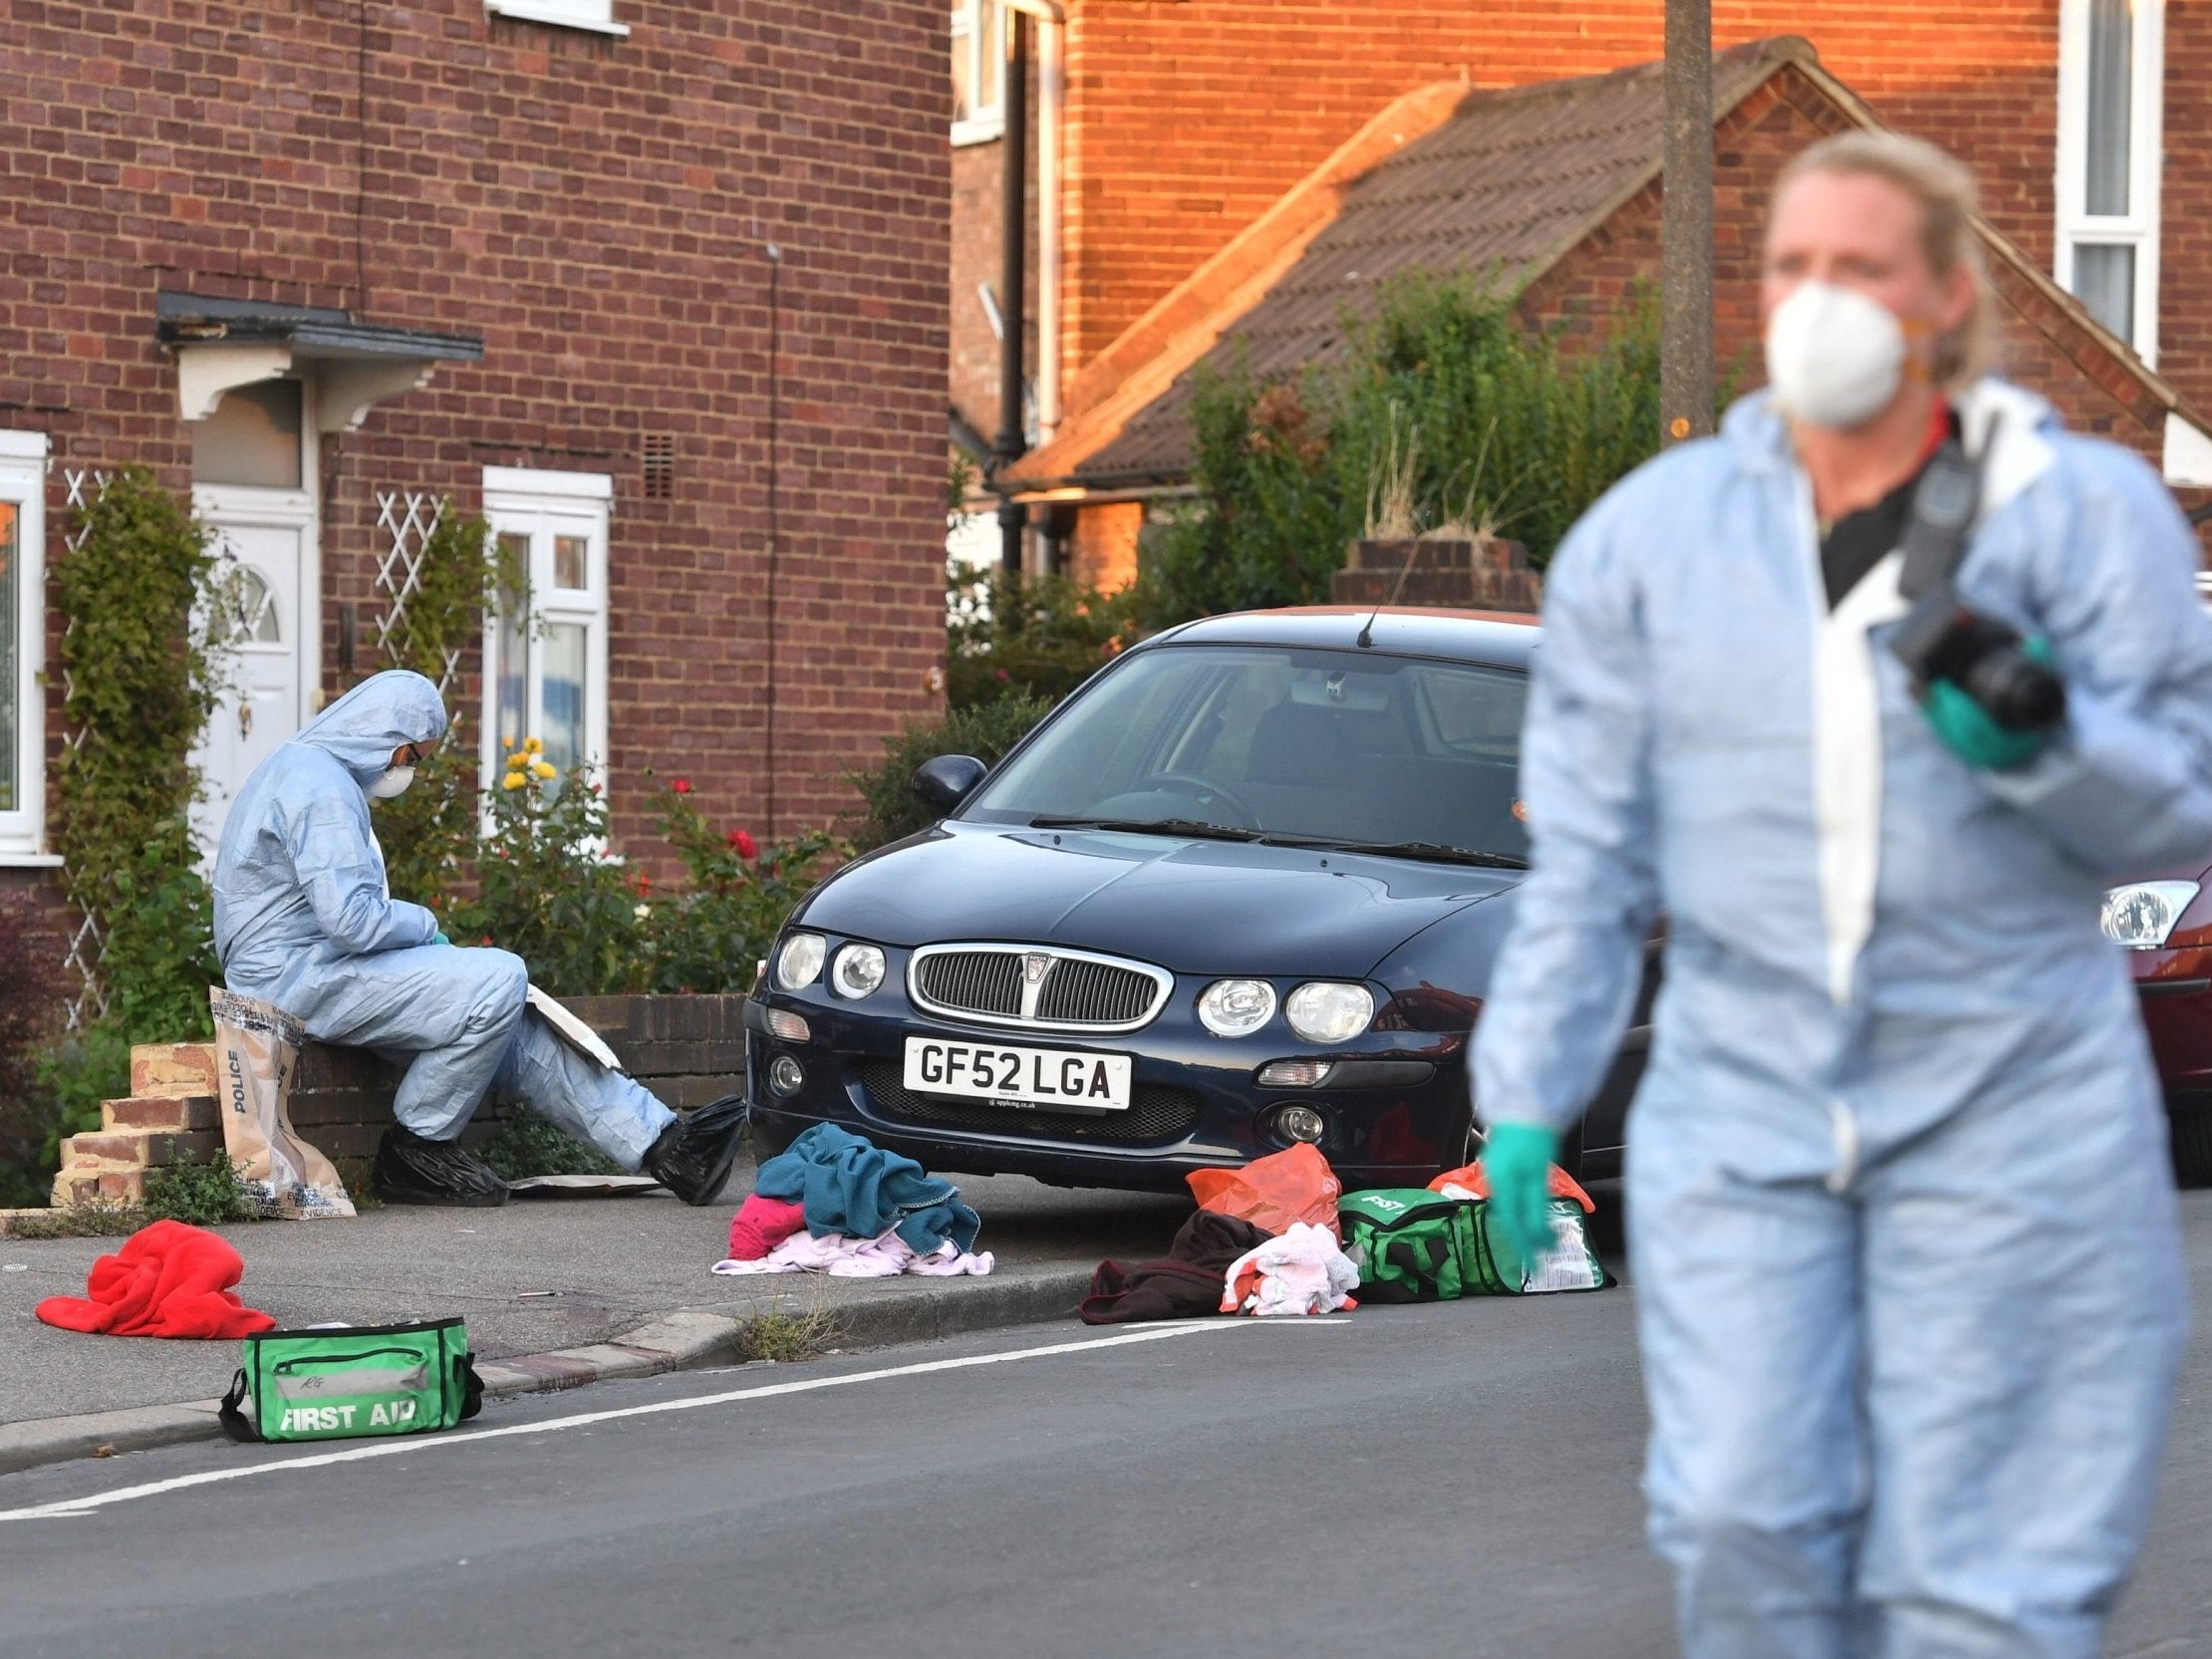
{"x": 556, "y": 1291}
{"x": 1459, "y": 1478}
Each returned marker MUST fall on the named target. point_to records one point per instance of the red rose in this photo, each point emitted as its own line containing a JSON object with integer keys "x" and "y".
{"x": 682, "y": 786}
{"x": 644, "y": 883}
{"x": 743, "y": 843}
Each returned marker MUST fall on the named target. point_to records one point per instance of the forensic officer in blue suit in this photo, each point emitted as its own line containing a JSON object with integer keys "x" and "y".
{"x": 304, "y": 920}
{"x": 1902, "y": 1225}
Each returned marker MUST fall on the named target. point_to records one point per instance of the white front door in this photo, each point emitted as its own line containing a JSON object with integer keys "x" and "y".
{"x": 270, "y": 534}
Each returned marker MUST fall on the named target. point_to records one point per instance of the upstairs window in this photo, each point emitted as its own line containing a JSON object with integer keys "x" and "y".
{"x": 545, "y": 653}
{"x": 2112, "y": 84}
{"x": 979, "y": 71}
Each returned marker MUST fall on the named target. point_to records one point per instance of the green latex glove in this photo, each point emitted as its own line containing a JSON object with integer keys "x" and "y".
{"x": 1518, "y": 1158}
{"x": 439, "y": 938}
{"x": 1968, "y": 731}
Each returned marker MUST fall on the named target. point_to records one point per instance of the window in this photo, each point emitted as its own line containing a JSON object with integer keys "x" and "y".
{"x": 545, "y": 653}
{"x": 21, "y": 645}
{"x": 595, "y": 15}
{"x": 979, "y": 71}
{"x": 252, "y": 438}
{"x": 2112, "y": 83}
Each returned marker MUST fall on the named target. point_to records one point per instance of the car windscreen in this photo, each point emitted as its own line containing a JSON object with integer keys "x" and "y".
{"x": 1356, "y": 746}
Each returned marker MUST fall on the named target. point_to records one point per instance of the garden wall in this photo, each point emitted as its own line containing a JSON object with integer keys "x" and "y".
{"x": 689, "y": 1050}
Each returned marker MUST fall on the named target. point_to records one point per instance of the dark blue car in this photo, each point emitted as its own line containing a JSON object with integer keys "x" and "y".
{"x": 1242, "y": 889}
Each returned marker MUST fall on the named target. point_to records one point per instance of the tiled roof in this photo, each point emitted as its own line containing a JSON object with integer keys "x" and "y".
{"x": 1506, "y": 186}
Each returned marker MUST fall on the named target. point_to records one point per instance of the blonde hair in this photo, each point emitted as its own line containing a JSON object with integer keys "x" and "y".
{"x": 1945, "y": 191}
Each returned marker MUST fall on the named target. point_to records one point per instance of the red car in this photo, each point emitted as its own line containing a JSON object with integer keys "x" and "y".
{"x": 2165, "y": 922}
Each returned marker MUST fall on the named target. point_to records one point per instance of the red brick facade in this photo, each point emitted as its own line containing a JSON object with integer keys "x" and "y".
{"x": 1186, "y": 119}
{"x": 596, "y": 208}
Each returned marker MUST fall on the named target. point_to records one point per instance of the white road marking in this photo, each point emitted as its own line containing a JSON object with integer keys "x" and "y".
{"x": 72, "y": 1507}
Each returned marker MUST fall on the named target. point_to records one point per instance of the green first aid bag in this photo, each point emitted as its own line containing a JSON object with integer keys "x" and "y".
{"x": 1415, "y": 1245}
{"x": 350, "y": 1381}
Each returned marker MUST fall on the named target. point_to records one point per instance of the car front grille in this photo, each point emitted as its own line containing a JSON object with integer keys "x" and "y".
{"x": 1157, "y": 1111}
{"x": 1036, "y": 986}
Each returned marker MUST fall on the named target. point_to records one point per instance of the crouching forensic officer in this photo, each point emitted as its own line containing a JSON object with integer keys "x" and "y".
{"x": 1902, "y": 1226}
{"x": 304, "y": 920}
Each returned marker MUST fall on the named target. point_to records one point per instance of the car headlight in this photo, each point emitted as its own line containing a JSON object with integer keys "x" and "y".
{"x": 1236, "y": 1007}
{"x": 799, "y": 962}
{"x": 857, "y": 970}
{"x": 2142, "y": 914}
{"x": 1329, "y": 1011}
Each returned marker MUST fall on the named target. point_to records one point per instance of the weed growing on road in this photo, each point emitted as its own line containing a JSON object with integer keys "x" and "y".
{"x": 525, "y": 1145}
{"x": 786, "y": 1334}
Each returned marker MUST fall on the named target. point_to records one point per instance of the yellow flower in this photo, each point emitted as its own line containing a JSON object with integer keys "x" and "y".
{"x": 506, "y": 743}
{"x": 514, "y": 780}
{"x": 544, "y": 770}
{"x": 532, "y": 746}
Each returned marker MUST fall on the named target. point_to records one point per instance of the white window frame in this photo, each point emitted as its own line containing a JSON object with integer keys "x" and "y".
{"x": 2138, "y": 227}
{"x": 597, "y": 16}
{"x": 23, "y": 462}
{"x": 540, "y": 505}
{"x": 983, "y": 123}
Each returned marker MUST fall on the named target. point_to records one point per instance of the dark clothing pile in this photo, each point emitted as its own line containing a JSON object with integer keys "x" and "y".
{"x": 1185, "y": 1284}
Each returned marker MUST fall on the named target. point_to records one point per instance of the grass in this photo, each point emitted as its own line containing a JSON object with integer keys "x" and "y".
{"x": 786, "y": 1335}
{"x": 82, "y": 1220}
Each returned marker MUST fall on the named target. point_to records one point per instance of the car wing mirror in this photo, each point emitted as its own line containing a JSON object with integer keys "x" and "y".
{"x": 944, "y": 782}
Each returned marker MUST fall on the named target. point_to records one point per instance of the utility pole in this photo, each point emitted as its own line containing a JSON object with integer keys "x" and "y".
{"x": 1686, "y": 227}
{"x": 1012, "y": 438}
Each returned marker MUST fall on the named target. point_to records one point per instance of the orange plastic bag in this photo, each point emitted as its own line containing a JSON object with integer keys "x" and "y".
{"x": 1473, "y": 1180}
{"x": 1295, "y": 1185}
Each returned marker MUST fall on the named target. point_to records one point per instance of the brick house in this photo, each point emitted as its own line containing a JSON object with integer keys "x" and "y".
{"x": 2082, "y": 118}
{"x": 658, "y": 287}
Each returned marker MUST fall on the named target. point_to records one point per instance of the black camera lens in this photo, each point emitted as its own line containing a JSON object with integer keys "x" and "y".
{"x": 2019, "y": 692}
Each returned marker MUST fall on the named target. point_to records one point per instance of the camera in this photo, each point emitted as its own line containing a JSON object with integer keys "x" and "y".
{"x": 1941, "y": 638}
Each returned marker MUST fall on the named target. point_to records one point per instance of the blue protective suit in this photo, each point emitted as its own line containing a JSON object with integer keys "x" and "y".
{"x": 304, "y": 920}
{"x": 1903, "y": 1231}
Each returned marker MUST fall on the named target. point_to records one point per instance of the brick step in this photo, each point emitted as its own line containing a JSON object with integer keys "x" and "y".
{"x": 160, "y": 1111}
{"x": 73, "y": 1187}
{"x": 141, "y": 1149}
{"x": 172, "y": 1069}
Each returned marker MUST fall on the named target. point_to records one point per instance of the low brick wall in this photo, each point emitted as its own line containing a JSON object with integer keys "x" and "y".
{"x": 1457, "y": 575}
{"x": 689, "y": 1050}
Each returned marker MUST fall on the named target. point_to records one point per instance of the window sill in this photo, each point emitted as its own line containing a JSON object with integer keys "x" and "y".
{"x": 983, "y": 129}
{"x": 558, "y": 16}
{"x": 11, "y": 859}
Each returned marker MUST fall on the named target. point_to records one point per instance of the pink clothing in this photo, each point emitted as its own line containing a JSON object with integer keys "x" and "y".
{"x": 1304, "y": 1271}
{"x": 842, "y": 1257}
{"x": 760, "y": 1225}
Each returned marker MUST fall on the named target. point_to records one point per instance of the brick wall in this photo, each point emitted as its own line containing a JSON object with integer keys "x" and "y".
{"x": 597, "y": 209}
{"x": 1186, "y": 119}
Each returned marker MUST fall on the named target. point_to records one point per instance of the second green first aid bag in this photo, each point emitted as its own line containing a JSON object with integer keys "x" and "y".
{"x": 350, "y": 1381}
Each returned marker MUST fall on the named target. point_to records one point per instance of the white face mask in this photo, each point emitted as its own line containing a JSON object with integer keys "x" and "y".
{"x": 1834, "y": 358}
{"x": 394, "y": 782}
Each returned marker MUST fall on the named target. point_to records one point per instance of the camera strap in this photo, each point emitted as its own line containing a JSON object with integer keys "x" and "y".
{"x": 1944, "y": 503}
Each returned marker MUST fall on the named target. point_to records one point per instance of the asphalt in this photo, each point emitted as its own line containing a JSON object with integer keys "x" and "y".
{"x": 1458, "y": 1478}
{"x": 534, "y": 1278}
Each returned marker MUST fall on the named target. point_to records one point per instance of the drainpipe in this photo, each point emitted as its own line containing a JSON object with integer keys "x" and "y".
{"x": 1051, "y": 92}
{"x": 1013, "y": 233}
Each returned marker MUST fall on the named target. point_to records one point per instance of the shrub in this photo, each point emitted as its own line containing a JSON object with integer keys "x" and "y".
{"x": 889, "y": 809}
{"x": 710, "y": 935}
{"x": 31, "y": 1000}
{"x": 1445, "y": 409}
{"x": 208, "y": 1194}
{"x": 548, "y": 890}
{"x": 525, "y": 1144}
{"x": 150, "y": 624}
{"x": 1038, "y": 636}
{"x": 429, "y": 834}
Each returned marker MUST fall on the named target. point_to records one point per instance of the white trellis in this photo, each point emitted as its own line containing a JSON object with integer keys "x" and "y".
{"x": 86, "y": 944}
{"x": 405, "y": 519}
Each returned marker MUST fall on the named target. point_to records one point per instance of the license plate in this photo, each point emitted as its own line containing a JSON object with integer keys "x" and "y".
{"x": 1048, "y": 1078}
